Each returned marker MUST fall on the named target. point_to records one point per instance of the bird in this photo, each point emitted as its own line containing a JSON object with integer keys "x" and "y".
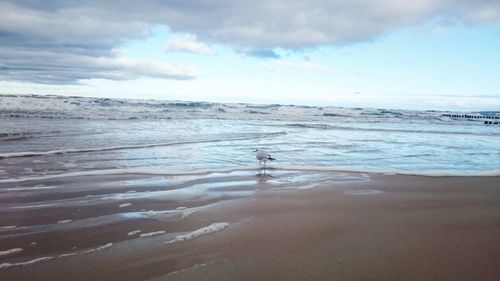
{"x": 263, "y": 156}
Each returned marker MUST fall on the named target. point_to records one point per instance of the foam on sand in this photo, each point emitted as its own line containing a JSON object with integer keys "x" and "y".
{"x": 5, "y": 265}
{"x": 149, "y": 234}
{"x": 7, "y": 227}
{"x": 202, "y": 231}
{"x": 124, "y": 205}
{"x": 186, "y": 213}
{"x": 134, "y": 232}
{"x": 100, "y": 248}
{"x": 29, "y": 188}
{"x": 67, "y": 255}
{"x": 11, "y": 251}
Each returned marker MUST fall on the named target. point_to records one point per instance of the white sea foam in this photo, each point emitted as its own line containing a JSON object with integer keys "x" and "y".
{"x": 7, "y": 227}
{"x": 64, "y": 221}
{"x": 149, "y": 234}
{"x": 91, "y": 108}
{"x": 124, "y": 205}
{"x": 100, "y": 248}
{"x": 204, "y": 230}
{"x": 134, "y": 232}
{"x": 11, "y": 251}
{"x": 67, "y": 255}
{"x": 5, "y": 265}
{"x": 152, "y": 213}
{"x": 34, "y": 206}
{"x": 186, "y": 213}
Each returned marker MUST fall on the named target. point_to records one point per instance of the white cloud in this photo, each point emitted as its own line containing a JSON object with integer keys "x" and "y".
{"x": 188, "y": 43}
{"x": 80, "y": 29}
{"x": 49, "y": 67}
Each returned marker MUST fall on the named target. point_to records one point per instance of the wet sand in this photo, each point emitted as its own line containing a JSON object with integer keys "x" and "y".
{"x": 330, "y": 226}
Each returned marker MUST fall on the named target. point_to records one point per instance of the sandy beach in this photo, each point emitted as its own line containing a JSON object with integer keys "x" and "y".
{"x": 354, "y": 227}
{"x": 250, "y": 140}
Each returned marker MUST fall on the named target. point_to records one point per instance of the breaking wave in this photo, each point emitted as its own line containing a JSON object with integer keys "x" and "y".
{"x": 111, "y": 148}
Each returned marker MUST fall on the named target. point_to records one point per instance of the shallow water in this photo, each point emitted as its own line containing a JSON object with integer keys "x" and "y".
{"x": 61, "y": 146}
{"x": 71, "y": 188}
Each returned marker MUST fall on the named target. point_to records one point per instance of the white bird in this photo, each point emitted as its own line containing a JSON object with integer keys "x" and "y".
{"x": 263, "y": 156}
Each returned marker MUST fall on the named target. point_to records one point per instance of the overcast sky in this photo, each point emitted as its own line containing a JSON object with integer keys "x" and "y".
{"x": 422, "y": 54}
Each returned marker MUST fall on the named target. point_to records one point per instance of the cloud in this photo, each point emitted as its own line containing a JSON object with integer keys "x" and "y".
{"x": 63, "y": 44}
{"x": 47, "y": 67}
{"x": 188, "y": 43}
{"x": 89, "y": 30}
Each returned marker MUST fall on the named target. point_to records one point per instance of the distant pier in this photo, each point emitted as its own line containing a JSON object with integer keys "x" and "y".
{"x": 491, "y": 118}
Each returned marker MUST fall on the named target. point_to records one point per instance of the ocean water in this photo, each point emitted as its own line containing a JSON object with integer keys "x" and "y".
{"x": 34, "y": 147}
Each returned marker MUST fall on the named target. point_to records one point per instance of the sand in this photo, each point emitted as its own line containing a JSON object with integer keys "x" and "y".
{"x": 387, "y": 227}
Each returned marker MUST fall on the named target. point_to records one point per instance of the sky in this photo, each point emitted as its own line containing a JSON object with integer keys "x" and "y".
{"x": 424, "y": 54}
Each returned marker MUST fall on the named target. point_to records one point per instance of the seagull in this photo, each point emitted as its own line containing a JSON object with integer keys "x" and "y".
{"x": 263, "y": 156}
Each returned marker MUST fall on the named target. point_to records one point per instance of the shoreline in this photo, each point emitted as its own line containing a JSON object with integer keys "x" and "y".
{"x": 201, "y": 172}
{"x": 390, "y": 227}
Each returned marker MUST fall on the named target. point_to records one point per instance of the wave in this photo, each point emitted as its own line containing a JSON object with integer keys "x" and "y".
{"x": 298, "y": 168}
{"x": 345, "y": 128}
{"x": 111, "y": 148}
{"x": 436, "y": 173}
{"x": 128, "y": 171}
{"x": 24, "y": 135}
{"x": 312, "y": 126}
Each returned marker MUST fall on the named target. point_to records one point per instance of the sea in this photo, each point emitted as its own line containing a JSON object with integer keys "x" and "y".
{"x": 44, "y": 136}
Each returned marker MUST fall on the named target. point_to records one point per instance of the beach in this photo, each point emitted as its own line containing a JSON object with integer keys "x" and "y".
{"x": 246, "y": 227}
{"x": 105, "y": 189}
{"x": 249, "y": 140}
